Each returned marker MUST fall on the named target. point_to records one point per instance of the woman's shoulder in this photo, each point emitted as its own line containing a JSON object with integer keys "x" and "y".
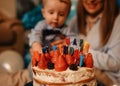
{"x": 115, "y": 36}
{"x": 116, "y": 26}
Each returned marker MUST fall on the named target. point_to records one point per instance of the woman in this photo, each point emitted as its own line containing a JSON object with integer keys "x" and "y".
{"x": 97, "y": 22}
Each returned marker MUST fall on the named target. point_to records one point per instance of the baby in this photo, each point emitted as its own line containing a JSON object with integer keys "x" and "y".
{"x": 53, "y": 27}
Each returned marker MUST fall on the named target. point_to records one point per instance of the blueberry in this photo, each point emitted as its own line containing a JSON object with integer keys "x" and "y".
{"x": 50, "y": 65}
{"x": 73, "y": 67}
{"x": 85, "y": 85}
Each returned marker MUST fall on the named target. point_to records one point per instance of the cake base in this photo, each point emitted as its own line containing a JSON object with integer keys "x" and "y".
{"x": 82, "y": 77}
{"x": 90, "y": 83}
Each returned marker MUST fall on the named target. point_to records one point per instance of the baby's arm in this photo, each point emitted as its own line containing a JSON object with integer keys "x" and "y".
{"x": 35, "y": 37}
{"x": 36, "y": 46}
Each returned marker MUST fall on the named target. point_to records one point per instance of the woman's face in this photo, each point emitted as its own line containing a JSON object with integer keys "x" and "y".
{"x": 93, "y": 6}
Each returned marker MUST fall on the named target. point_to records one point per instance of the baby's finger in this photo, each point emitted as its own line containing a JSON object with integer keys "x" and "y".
{"x": 57, "y": 42}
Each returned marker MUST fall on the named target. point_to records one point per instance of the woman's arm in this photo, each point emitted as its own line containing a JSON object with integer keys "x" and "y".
{"x": 109, "y": 58}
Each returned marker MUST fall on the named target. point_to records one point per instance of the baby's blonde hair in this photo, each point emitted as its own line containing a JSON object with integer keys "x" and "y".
{"x": 68, "y": 2}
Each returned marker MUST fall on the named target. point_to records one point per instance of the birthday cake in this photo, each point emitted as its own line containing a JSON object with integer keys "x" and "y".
{"x": 68, "y": 65}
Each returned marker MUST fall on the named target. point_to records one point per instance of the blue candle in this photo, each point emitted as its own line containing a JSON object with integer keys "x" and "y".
{"x": 81, "y": 60}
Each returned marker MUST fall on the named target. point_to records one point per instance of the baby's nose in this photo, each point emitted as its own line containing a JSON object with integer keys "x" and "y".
{"x": 56, "y": 16}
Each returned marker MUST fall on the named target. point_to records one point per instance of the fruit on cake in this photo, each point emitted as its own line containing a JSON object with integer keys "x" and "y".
{"x": 68, "y": 65}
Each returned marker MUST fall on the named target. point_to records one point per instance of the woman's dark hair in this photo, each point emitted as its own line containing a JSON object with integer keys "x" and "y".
{"x": 110, "y": 12}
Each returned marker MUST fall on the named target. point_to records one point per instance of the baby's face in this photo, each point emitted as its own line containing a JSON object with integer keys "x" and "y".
{"x": 55, "y": 12}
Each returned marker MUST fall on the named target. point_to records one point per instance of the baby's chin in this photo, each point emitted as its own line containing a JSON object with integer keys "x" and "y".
{"x": 55, "y": 25}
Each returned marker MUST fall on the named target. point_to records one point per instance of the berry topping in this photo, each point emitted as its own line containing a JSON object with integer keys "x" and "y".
{"x": 50, "y": 65}
{"x": 61, "y": 57}
{"x": 44, "y": 50}
{"x": 61, "y": 64}
{"x": 47, "y": 55}
{"x": 69, "y": 59}
{"x": 76, "y": 54}
{"x": 36, "y": 56}
{"x": 55, "y": 56}
{"x": 73, "y": 67}
{"x": 67, "y": 41}
{"x": 43, "y": 62}
{"x": 89, "y": 60}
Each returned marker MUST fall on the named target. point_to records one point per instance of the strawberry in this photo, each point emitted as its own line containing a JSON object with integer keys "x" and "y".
{"x": 47, "y": 56}
{"x": 89, "y": 60}
{"x": 35, "y": 58}
{"x": 55, "y": 56}
{"x": 76, "y": 61}
{"x": 61, "y": 64}
{"x": 69, "y": 59}
{"x": 76, "y": 54}
{"x": 36, "y": 55}
{"x": 51, "y": 53}
{"x": 33, "y": 62}
{"x": 42, "y": 64}
{"x": 67, "y": 41}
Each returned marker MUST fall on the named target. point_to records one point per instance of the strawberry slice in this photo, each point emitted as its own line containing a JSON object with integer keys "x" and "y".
{"x": 69, "y": 59}
{"x": 76, "y": 61}
{"x": 36, "y": 55}
{"x": 67, "y": 41}
{"x": 89, "y": 60}
{"x": 47, "y": 55}
{"x": 42, "y": 64}
{"x": 76, "y": 54}
{"x": 55, "y": 56}
{"x": 33, "y": 62}
{"x": 35, "y": 58}
{"x": 51, "y": 53}
{"x": 61, "y": 64}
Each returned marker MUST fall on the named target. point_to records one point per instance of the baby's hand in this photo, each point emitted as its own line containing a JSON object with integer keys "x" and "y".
{"x": 36, "y": 46}
{"x": 58, "y": 42}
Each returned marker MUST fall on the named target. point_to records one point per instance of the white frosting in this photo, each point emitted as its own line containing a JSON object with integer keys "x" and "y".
{"x": 67, "y": 76}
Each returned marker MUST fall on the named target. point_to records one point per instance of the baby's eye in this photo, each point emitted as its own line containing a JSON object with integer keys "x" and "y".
{"x": 61, "y": 14}
{"x": 51, "y": 12}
